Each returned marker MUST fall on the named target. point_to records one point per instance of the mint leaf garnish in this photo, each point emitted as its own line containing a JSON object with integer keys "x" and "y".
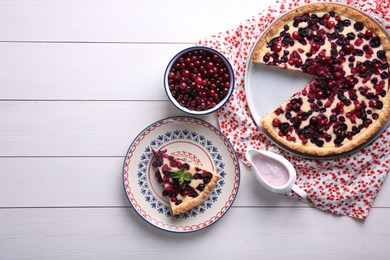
{"x": 175, "y": 175}
{"x": 182, "y": 175}
{"x": 187, "y": 177}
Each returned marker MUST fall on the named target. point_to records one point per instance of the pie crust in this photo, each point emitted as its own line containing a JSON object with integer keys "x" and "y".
{"x": 261, "y": 49}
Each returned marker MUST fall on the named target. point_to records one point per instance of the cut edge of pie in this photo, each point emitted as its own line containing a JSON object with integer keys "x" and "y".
{"x": 261, "y": 49}
{"x": 188, "y": 202}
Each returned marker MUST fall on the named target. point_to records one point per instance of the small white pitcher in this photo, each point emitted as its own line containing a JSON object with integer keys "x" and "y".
{"x": 256, "y": 157}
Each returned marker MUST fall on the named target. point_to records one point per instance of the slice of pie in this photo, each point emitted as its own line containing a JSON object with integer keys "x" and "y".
{"x": 185, "y": 184}
{"x": 349, "y": 100}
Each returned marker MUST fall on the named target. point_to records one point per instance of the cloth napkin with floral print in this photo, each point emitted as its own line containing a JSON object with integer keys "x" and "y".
{"x": 345, "y": 186}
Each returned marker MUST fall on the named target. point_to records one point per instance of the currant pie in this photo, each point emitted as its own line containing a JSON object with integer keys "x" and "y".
{"x": 348, "y": 101}
{"x": 186, "y": 184}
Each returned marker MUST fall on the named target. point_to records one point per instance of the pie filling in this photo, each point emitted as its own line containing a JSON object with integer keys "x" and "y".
{"x": 351, "y": 79}
{"x": 185, "y": 184}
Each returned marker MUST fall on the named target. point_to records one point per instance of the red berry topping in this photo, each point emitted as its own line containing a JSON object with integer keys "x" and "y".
{"x": 277, "y": 48}
{"x": 348, "y": 48}
{"x": 330, "y": 24}
{"x": 169, "y": 188}
{"x": 358, "y": 42}
{"x": 337, "y": 75}
{"x": 165, "y": 168}
{"x": 368, "y": 34}
{"x": 276, "y": 122}
{"x": 326, "y": 17}
{"x": 184, "y": 193}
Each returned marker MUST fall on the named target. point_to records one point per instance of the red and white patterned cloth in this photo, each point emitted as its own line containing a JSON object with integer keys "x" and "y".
{"x": 345, "y": 186}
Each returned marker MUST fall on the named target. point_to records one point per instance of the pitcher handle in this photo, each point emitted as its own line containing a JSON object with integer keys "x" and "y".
{"x": 299, "y": 191}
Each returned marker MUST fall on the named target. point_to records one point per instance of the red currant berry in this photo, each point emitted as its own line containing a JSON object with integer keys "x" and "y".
{"x": 330, "y": 24}
{"x": 276, "y": 122}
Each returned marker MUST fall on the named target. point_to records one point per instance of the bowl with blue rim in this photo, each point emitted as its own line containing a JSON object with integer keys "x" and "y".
{"x": 199, "y": 80}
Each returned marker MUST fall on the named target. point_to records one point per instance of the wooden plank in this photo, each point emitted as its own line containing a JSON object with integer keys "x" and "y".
{"x": 121, "y": 20}
{"x": 61, "y": 182}
{"x": 58, "y": 71}
{"x": 246, "y": 232}
{"x": 97, "y": 182}
{"x": 43, "y": 128}
{"x": 85, "y": 129}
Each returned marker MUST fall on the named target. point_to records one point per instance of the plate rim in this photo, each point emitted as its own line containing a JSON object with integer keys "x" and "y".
{"x": 235, "y": 159}
{"x": 255, "y": 115}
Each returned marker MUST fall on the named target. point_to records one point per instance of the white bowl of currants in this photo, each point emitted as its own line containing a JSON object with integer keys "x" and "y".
{"x": 199, "y": 80}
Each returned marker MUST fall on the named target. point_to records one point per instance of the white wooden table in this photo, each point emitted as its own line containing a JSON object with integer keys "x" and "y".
{"x": 79, "y": 79}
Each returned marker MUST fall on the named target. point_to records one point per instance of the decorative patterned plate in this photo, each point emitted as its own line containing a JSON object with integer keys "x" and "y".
{"x": 193, "y": 140}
